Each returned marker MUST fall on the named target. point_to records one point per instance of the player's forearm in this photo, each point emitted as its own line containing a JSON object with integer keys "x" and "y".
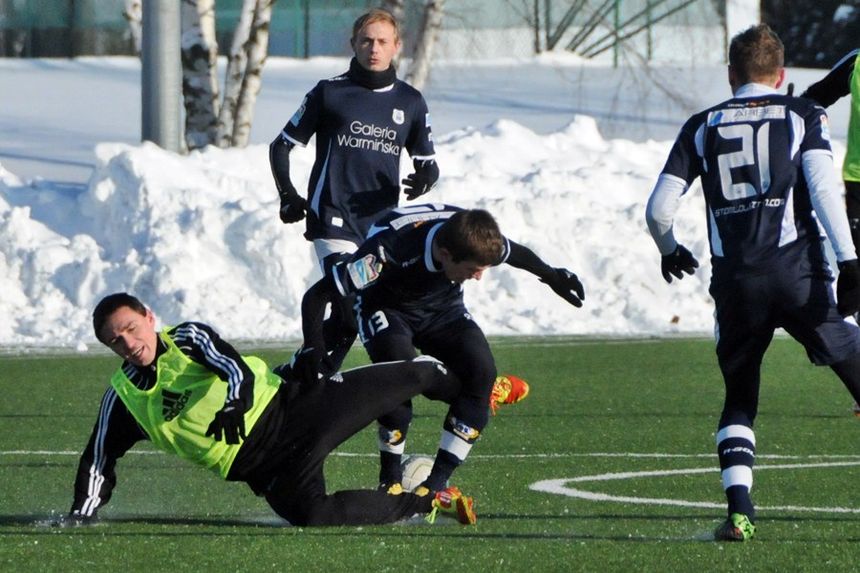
{"x": 279, "y": 160}
{"x": 114, "y": 433}
{"x": 825, "y": 192}
{"x": 836, "y": 84}
{"x": 313, "y": 310}
{"x": 661, "y": 209}
{"x": 522, "y": 257}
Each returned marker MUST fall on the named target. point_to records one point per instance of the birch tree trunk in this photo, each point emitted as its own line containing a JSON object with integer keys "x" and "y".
{"x": 199, "y": 72}
{"x": 235, "y": 72}
{"x": 432, "y": 22}
{"x": 256, "y": 49}
{"x": 133, "y": 13}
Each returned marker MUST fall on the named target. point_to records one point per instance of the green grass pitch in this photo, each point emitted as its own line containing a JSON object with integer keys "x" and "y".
{"x": 626, "y": 426}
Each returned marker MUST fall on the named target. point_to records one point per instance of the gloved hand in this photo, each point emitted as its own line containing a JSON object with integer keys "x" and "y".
{"x": 423, "y": 180}
{"x": 848, "y": 288}
{"x": 293, "y": 207}
{"x": 309, "y": 363}
{"x": 229, "y": 420}
{"x": 677, "y": 263}
{"x": 566, "y": 285}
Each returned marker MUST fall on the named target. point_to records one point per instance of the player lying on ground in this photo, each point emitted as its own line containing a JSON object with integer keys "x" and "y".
{"x": 191, "y": 394}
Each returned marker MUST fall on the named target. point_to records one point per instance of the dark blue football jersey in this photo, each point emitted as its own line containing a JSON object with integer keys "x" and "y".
{"x": 361, "y": 134}
{"x": 747, "y": 152}
{"x": 394, "y": 268}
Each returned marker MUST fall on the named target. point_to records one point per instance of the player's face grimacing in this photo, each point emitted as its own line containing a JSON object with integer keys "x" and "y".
{"x": 375, "y": 46}
{"x": 131, "y": 335}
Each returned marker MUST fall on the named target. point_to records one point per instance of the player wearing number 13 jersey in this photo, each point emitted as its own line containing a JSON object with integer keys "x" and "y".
{"x": 768, "y": 178}
{"x": 408, "y": 278}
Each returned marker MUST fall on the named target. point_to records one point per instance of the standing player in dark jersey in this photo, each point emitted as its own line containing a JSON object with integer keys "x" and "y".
{"x": 192, "y": 395}
{"x": 768, "y": 178}
{"x": 408, "y": 279}
{"x": 363, "y": 120}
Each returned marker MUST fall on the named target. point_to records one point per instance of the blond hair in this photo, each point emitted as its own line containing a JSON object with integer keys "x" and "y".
{"x": 373, "y": 16}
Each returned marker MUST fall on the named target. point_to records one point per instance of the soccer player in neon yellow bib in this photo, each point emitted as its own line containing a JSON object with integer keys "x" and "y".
{"x": 193, "y": 395}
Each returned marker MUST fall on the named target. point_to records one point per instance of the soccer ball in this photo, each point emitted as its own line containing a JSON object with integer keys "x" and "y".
{"x": 416, "y": 469}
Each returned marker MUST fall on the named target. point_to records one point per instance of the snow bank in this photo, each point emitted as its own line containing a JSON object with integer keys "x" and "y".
{"x": 198, "y": 237}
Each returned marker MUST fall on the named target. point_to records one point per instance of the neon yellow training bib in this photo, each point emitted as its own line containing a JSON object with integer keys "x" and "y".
{"x": 851, "y": 167}
{"x": 178, "y": 409}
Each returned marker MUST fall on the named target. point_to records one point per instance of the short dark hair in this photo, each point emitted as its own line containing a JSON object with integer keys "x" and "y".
{"x": 472, "y": 235}
{"x": 375, "y": 15}
{"x": 109, "y": 304}
{"x": 756, "y": 53}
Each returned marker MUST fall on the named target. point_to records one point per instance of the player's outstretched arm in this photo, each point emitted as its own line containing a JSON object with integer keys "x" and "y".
{"x": 113, "y": 434}
{"x": 563, "y": 282}
{"x": 293, "y": 205}
{"x": 566, "y": 285}
{"x": 836, "y": 84}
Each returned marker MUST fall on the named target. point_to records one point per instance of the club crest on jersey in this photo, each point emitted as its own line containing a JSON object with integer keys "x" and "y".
{"x": 364, "y": 271}
{"x": 825, "y": 128}
{"x": 398, "y": 116}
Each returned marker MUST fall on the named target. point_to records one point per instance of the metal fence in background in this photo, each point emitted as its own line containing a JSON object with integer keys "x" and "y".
{"x": 471, "y": 29}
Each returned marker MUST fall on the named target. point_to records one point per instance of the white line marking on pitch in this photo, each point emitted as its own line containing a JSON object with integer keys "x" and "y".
{"x": 559, "y": 487}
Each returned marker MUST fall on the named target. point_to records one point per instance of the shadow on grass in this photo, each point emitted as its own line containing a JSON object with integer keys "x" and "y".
{"x": 215, "y": 526}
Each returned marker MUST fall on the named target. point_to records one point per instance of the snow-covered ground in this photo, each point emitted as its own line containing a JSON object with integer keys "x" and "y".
{"x": 563, "y": 152}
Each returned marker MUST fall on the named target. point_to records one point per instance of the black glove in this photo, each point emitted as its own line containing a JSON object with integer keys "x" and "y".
{"x": 293, "y": 207}
{"x": 229, "y": 420}
{"x": 310, "y": 364}
{"x": 848, "y": 288}
{"x": 677, "y": 263}
{"x": 423, "y": 180}
{"x": 566, "y": 285}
